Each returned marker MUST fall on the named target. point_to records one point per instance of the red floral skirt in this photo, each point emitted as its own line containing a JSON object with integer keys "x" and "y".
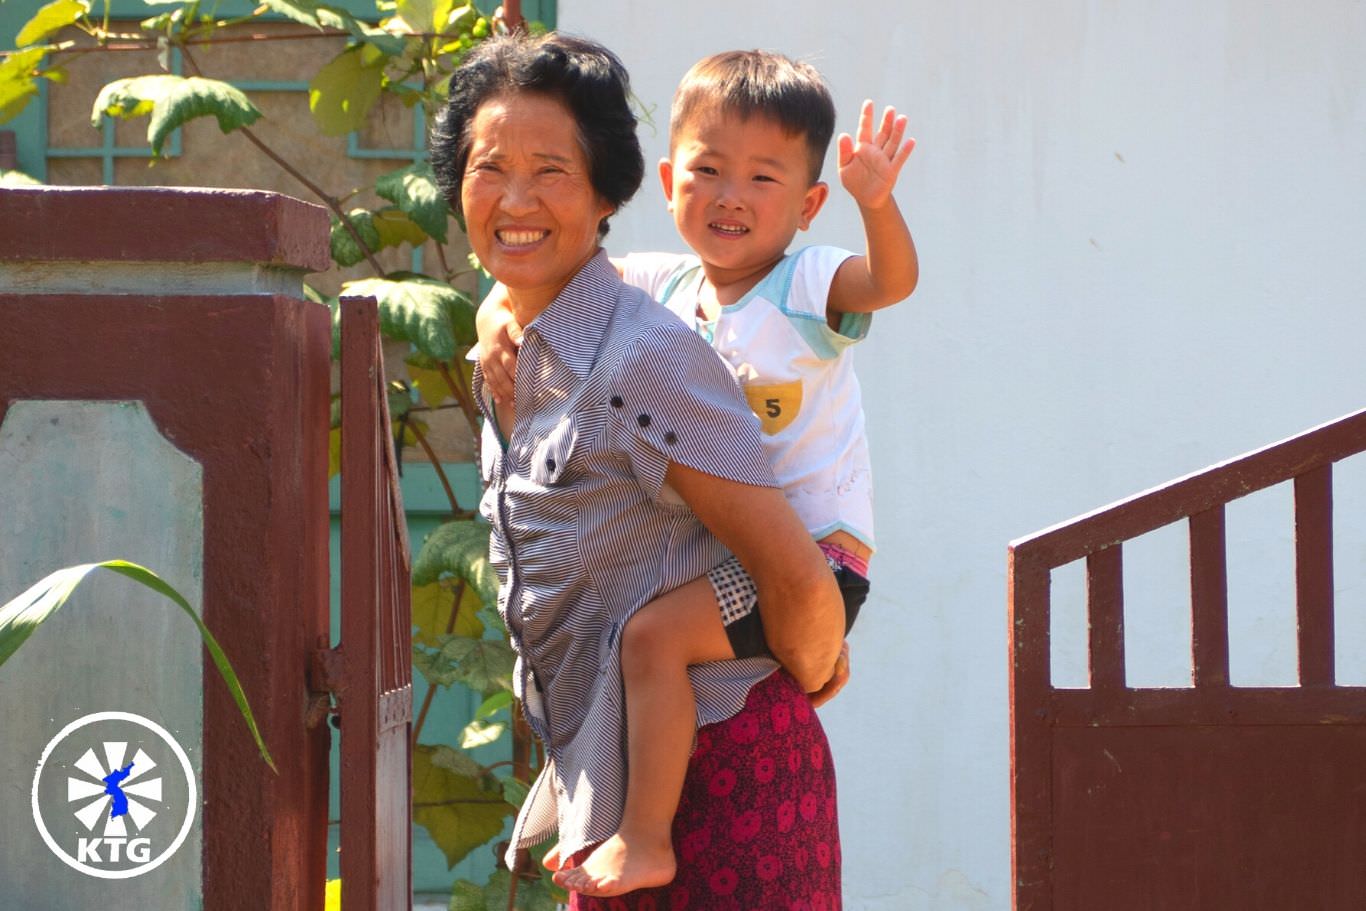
{"x": 757, "y": 829}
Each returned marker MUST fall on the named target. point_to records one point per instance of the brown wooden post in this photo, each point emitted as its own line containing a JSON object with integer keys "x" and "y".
{"x": 185, "y": 304}
{"x": 1105, "y": 610}
{"x": 1031, "y": 786}
{"x": 1314, "y": 575}
{"x": 1209, "y": 599}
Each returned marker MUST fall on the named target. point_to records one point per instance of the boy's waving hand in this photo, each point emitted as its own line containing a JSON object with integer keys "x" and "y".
{"x": 869, "y": 168}
{"x": 870, "y": 165}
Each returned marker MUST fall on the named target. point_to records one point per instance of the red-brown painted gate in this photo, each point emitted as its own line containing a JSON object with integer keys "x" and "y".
{"x": 1213, "y": 797}
{"x": 370, "y": 672}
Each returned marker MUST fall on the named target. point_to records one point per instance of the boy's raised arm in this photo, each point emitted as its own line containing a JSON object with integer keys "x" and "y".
{"x": 869, "y": 167}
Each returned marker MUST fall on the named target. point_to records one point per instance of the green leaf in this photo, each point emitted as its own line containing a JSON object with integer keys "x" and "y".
{"x": 458, "y": 811}
{"x": 345, "y": 250}
{"x": 313, "y": 294}
{"x": 481, "y": 733}
{"x": 432, "y": 604}
{"x": 396, "y": 228}
{"x": 430, "y": 384}
{"x": 456, "y": 761}
{"x": 174, "y": 101}
{"x": 423, "y": 15}
{"x": 377, "y": 38}
{"x": 466, "y": 896}
{"x": 459, "y": 548}
{"x": 334, "y": 452}
{"x": 301, "y": 11}
{"x": 333, "y": 306}
{"x": 532, "y": 894}
{"x": 430, "y": 314}
{"x": 17, "y": 81}
{"x": 53, "y": 17}
{"x": 400, "y": 399}
{"x": 462, "y": 19}
{"x": 130, "y": 97}
{"x": 485, "y": 666}
{"x": 18, "y": 179}
{"x": 413, "y": 189}
{"x": 515, "y": 792}
{"x": 21, "y": 617}
{"x": 494, "y": 704}
{"x": 341, "y": 94}
{"x": 435, "y": 667}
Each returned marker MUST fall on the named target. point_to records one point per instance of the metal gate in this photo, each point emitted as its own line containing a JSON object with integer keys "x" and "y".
{"x": 1213, "y": 797}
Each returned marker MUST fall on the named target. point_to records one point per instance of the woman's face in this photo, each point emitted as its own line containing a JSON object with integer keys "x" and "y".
{"x": 530, "y": 208}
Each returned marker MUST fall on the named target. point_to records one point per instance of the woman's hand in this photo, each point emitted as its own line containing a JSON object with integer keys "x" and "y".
{"x": 836, "y": 682}
{"x": 499, "y": 339}
{"x": 799, "y": 600}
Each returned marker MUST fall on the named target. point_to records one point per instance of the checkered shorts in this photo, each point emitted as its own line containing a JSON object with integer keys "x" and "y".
{"x": 734, "y": 590}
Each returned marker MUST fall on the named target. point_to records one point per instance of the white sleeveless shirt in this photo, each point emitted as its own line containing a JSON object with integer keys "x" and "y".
{"x": 796, "y": 372}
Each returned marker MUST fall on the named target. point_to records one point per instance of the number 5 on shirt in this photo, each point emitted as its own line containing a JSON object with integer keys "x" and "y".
{"x": 775, "y": 404}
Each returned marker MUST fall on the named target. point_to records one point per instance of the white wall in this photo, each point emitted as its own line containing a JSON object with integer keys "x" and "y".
{"x": 1141, "y": 229}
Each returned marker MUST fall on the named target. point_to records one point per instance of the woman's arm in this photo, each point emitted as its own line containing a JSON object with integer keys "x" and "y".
{"x": 798, "y": 598}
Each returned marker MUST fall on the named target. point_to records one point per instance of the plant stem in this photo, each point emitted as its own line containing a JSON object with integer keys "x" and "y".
{"x": 294, "y": 172}
{"x": 462, "y": 394}
{"x": 436, "y": 464}
{"x": 512, "y": 881}
{"x": 431, "y": 690}
{"x": 132, "y": 41}
{"x": 441, "y": 258}
{"x": 521, "y": 744}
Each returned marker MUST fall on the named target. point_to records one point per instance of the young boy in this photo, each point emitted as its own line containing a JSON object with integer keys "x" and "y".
{"x": 748, "y": 133}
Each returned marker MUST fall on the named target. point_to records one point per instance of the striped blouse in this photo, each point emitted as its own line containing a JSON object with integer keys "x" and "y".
{"x": 610, "y": 389}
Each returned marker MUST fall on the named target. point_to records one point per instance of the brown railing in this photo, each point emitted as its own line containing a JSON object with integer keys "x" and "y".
{"x": 375, "y": 701}
{"x": 1213, "y": 796}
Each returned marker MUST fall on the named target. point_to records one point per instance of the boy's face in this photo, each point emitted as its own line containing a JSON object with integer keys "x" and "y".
{"x": 739, "y": 190}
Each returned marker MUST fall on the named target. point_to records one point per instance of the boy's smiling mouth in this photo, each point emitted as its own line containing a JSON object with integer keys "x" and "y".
{"x": 730, "y": 230}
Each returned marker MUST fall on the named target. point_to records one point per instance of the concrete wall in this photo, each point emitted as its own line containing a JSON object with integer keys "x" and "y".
{"x": 1140, "y": 229}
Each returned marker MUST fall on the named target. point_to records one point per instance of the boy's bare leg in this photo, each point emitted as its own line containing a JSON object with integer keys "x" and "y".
{"x": 675, "y": 630}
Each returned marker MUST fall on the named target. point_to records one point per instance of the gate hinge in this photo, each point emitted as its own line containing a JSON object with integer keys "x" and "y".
{"x": 324, "y": 686}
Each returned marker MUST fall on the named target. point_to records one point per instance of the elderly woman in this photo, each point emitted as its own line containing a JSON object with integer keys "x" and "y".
{"x": 628, "y": 465}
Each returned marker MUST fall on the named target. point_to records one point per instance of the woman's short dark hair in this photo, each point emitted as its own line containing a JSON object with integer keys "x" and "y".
{"x": 584, "y": 75}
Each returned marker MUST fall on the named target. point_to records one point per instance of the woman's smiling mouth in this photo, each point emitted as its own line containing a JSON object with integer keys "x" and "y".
{"x": 521, "y": 238}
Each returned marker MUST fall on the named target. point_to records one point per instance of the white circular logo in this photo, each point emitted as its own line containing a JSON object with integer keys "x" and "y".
{"x": 114, "y": 795}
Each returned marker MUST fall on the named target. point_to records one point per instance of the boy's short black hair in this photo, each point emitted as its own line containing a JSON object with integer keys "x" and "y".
{"x": 760, "y": 83}
{"x": 589, "y": 80}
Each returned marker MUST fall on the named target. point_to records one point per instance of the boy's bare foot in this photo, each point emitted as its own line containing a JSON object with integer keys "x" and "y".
{"x": 616, "y": 867}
